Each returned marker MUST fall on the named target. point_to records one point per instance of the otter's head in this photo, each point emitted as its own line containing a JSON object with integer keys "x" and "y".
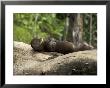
{"x": 50, "y": 44}
{"x": 37, "y": 44}
{"x": 85, "y": 46}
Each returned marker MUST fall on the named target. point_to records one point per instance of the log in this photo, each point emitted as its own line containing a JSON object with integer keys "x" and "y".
{"x": 29, "y": 62}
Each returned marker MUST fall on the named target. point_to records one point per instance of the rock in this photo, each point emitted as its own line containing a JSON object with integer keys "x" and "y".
{"x": 28, "y": 62}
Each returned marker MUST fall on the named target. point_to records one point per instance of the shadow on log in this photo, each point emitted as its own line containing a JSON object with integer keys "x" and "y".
{"x": 28, "y": 62}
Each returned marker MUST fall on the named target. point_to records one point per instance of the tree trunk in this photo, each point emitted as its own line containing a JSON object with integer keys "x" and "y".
{"x": 90, "y": 41}
{"x": 66, "y": 27}
{"x": 75, "y": 28}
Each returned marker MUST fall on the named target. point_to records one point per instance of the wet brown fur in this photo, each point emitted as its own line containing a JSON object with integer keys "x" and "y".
{"x": 52, "y": 45}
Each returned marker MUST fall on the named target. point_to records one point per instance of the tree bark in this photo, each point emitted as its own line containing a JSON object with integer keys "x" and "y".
{"x": 90, "y": 41}
{"x": 75, "y": 29}
{"x": 66, "y": 27}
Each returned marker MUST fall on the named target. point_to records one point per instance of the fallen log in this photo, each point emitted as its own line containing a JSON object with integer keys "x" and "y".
{"x": 29, "y": 62}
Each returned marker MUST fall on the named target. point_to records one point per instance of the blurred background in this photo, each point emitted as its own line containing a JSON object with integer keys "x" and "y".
{"x": 62, "y": 26}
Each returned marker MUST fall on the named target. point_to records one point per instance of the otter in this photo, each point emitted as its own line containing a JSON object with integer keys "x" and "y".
{"x": 37, "y": 44}
{"x": 53, "y": 45}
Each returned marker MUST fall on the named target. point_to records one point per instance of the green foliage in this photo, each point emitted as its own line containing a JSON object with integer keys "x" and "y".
{"x": 21, "y": 34}
{"x": 61, "y": 16}
{"x": 42, "y": 25}
{"x": 86, "y": 28}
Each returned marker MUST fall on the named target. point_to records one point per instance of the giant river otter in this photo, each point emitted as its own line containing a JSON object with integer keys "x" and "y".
{"x": 53, "y": 45}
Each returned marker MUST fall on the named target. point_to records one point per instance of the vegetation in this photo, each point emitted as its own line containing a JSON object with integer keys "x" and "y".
{"x": 29, "y": 25}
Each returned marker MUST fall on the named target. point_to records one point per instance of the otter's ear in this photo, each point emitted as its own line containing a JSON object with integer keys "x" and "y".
{"x": 41, "y": 40}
